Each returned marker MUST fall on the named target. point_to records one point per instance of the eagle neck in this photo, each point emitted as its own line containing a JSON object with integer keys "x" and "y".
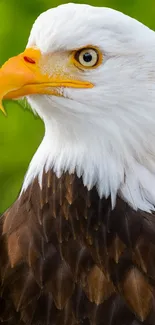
{"x": 96, "y": 162}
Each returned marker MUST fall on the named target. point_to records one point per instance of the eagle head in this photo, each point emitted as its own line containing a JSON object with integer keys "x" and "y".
{"x": 89, "y": 73}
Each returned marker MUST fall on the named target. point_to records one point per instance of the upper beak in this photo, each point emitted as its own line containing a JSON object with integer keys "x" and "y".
{"x": 22, "y": 75}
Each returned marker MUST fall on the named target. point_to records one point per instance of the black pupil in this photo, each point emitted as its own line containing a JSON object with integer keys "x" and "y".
{"x": 87, "y": 57}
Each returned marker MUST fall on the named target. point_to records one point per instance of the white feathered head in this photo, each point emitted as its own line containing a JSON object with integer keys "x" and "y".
{"x": 90, "y": 74}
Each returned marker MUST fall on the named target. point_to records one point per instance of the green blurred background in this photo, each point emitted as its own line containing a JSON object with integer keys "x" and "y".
{"x": 20, "y": 131}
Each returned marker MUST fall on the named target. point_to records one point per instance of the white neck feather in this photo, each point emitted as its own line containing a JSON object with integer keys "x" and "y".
{"x": 104, "y": 157}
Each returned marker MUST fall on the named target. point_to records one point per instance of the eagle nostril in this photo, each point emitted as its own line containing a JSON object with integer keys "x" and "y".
{"x": 29, "y": 60}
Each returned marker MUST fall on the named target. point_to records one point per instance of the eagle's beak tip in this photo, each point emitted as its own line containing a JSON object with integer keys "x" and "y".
{"x": 2, "y": 109}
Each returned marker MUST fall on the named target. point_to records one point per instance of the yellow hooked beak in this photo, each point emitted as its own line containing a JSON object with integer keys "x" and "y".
{"x": 23, "y": 75}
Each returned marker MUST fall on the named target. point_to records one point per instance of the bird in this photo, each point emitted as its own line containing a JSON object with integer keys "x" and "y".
{"x": 77, "y": 247}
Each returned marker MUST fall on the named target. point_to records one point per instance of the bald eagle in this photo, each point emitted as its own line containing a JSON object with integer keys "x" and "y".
{"x": 78, "y": 245}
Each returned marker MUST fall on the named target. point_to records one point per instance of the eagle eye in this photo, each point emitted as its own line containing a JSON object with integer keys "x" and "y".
{"x": 87, "y": 58}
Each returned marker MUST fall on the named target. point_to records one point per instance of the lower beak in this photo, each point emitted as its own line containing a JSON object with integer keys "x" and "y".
{"x": 22, "y": 75}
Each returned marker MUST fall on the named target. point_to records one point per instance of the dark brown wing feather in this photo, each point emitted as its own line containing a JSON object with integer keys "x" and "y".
{"x": 67, "y": 258}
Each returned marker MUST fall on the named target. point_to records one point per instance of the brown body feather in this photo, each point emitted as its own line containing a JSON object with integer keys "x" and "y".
{"x": 67, "y": 258}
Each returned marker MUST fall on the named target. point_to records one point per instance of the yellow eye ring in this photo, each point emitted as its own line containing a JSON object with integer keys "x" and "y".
{"x": 87, "y": 58}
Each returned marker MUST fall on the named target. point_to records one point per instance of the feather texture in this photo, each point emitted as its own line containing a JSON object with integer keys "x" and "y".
{"x": 67, "y": 258}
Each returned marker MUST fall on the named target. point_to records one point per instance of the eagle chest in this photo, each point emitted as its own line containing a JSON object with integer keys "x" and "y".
{"x": 72, "y": 259}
